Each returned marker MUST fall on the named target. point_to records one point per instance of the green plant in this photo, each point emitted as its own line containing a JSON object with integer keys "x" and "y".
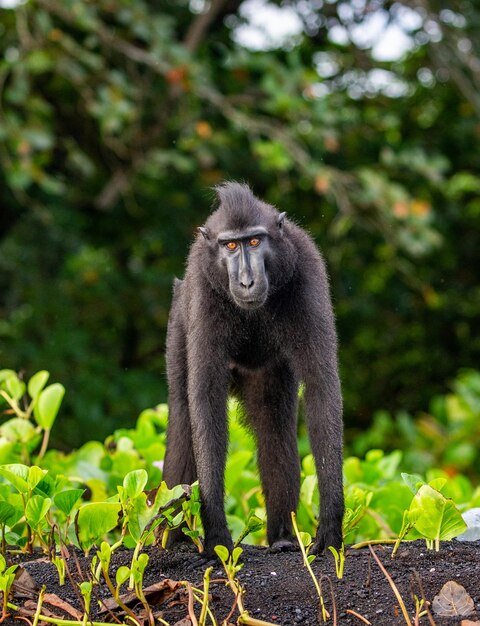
{"x": 339, "y": 556}
{"x": 21, "y": 437}
{"x": 304, "y": 540}
{"x": 59, "y": 563}
{"x": 7, "y": 576}
{"x": 433, "y": 515}
{"x": 232, "y": 566}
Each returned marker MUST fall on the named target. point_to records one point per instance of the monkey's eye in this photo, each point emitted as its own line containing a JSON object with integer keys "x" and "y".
{"x": 231, "y": 245}
{"x": 253, "y": 243}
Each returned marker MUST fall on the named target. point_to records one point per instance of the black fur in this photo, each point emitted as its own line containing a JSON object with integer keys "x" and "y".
{"x": 256, "y": 321}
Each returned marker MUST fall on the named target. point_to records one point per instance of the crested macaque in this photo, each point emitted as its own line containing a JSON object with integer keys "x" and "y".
{"x": 253, "y": 317}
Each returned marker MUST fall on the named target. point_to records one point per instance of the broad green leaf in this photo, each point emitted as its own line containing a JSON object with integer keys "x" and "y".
{"x": 66, "y": 500}
{"x": 5, "y": 375}
{"x": 18, "y": 430}
{"x": 308, "y": 489}
{"x": 37, "y": 382}
{"x": 438, "y": 483}
{"x": 9, "y": 515}
{"x": 47, "y": 486}
{"x": 122, "y": 575}
{"x": 305, "y": 538}
{"x": 237, "y": 553}
{"x": 15, "y": 387}
{"x": 134, "y": 482}
{"x": 48, "y": 404}
{"x": 17, "y": 475}
{"x": 236, "y": 463}
{"x": 36, "y": 509}
{"x": 222, "y": 553}
{"x": 3, "y": 563}
{"x": 435, "y": 516}
{"x": 35, "y": 475}
{"x": 166, "y": 496}
{"x": 94, "y": 520}
{"x": 413, "y": 481}
{"x": 139, "y": 515}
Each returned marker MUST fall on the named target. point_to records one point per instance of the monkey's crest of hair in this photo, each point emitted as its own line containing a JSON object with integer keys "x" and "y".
{"x": 239, "y": 208}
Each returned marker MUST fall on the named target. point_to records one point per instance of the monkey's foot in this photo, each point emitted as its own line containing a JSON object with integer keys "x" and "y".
{"x": 283, "y": 545}
{"x": 331, "y": 537}
{"x": 210, "y": 543}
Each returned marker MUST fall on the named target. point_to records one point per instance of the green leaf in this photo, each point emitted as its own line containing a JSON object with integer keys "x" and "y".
{"x": 236, "y": 554}
{"x": 222, "y": 553}
{"x": 94, "y": 520}
{"x": 48, "y": 404}
{"x": 37, "y": 382}
{"x": 413, "y": 481}
{"x": 169, "y": 497}
{"x": 438, "y": 483}
{"x": 19, "y": 430}
{"x": 35, "y": 475}
{"x": 5, "y": 375}
{"x": 134, "y": 482}
{"x": 9, "y": 515}
{"x": 86, "y": 588}
{"x": 15, "y": 387}
{"x": 122, "y": 575}
{"x": 138, "y": 516}
{"x": 308, "y": 490}
{"x": 17, "y": 475}
{"x": 104, "y": 554}
{"x": 305, "y": 538}
{"x": 66, "y": 500}
{"x": 36, "y": 509}
{"x": 435, "y": 516}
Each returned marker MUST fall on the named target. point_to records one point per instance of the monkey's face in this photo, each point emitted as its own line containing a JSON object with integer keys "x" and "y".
{"x": 244, "y": 257}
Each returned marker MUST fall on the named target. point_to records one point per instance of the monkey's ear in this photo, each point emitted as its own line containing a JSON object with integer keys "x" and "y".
{"x": 204, "y": 231}
{"x": 280, "y": 220}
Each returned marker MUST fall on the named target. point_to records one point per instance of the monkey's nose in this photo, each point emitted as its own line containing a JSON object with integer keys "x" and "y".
{"x": 246, "y": 283}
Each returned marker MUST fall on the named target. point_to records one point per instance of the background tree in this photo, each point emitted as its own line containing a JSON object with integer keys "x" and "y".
{"x": 117, "y": 117}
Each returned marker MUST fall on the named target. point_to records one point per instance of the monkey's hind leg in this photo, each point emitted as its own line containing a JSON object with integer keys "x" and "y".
{"x": 270, "y": 398}
{"x": 179, "y": 463}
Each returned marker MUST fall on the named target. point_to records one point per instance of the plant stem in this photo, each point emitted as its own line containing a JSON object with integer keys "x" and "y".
{"x": 191, "y": 613}
{"x": 43, "y": 449}
{"x": 393, "y": 586}
{"x": 39, "y": 605}
{"x": 115, "y": 594}
{"x": 206, "y": 585}
{"x": 58, "y": 621}
{"x": 310, "y": 571}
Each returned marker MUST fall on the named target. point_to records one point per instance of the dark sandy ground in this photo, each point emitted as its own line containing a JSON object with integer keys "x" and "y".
{"x": 278, "y": 588}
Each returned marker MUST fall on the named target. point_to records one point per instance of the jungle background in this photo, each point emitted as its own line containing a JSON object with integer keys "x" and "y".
{"x": 118, "y": 116}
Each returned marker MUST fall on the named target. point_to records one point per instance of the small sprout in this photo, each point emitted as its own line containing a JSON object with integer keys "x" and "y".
{"x": 339, "y": 556}
{"x": 307, "y": 560}
{"x": 59, "y": 563}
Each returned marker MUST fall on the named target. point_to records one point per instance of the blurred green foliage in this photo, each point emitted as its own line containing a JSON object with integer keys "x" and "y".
{"x": 116, "y": 118}
{"x": 377, "y": 493}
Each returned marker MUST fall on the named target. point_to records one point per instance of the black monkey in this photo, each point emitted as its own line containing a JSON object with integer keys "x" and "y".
{"x": 253, "y": 316}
